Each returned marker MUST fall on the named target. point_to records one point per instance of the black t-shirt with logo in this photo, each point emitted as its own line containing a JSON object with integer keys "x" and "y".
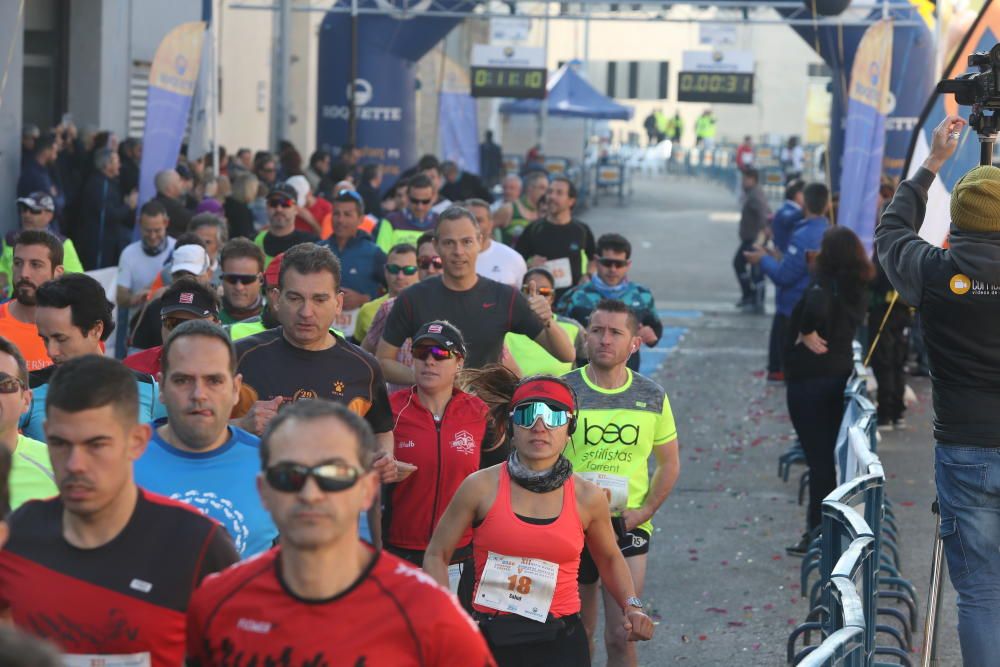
{"x": 271, "y": 367}
{"x": 574, "y": 241}
{"x": 483, "y": 314}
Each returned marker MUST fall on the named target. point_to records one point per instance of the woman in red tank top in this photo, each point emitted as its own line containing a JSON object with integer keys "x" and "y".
{"x": 530, "y": 518}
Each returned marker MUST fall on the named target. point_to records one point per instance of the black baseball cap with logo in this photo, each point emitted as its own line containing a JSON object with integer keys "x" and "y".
{"x": 283, "y": 191}
{"x": 195, "y": 302}
{"x": 443, "y": 333}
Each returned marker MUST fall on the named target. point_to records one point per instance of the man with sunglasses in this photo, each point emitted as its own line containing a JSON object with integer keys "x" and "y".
{"x": 38, "y": 258}
{"x": 407, "y": 225}
{"x": 361, "y": 261}
{"x": 105, "y": 570}
{"x": 281, "y": 234}
{"x": 610, "y": 281}
{"x": 401, "y": 271}
{"x": 323, "y": 596}
{"x": 242, "y": 264}
{"x": 496, "y": 261}
{"x": 36, "y": 212}
{"x": 429, "y": 262}
{"x": 195, "y": 455}
{"x": 624, "y": 419}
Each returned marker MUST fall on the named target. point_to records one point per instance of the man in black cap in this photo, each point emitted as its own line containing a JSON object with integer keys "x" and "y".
{"x": 281, "y": 234}
{"x": 36, "y": 212}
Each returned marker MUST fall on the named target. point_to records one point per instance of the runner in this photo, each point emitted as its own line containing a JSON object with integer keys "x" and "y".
{"x": 530, "y": 519}
{"x": 624, "y": 418}
{"x": 324, "y": 597}
{"x": 439, "y": 431}
{"x": 532, "y": 358}
{"x": 105, "y": 571}
{"x": 38, "y": 258}
{"x": 512, "y": 218}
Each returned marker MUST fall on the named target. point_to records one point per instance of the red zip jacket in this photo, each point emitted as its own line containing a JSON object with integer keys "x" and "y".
{"x": 444, "y": 452}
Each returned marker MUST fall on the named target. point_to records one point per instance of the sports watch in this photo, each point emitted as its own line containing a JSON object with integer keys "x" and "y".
{"x": 633, "y": 602}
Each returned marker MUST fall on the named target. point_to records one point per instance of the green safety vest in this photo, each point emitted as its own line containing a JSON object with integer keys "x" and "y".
{"x": 388, "y": 236}
{"x": 705, "y": 127}
{"x": 535, "y": 359}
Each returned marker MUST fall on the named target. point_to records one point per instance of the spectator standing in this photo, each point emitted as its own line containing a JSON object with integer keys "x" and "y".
{"x": 37, "y": 259}
{"x": 792, "y": 158}
{"x": 242, "y": 264}
{"x": 490, "y": 160}
{"x": 890, "y": 352}
{"x": 788, "y": 215}
{"x": 104, "y": 217}
{"x": 753, "y": 223}
{"x": 496, "y": 260}
{"x": 36, "y": 172}
{"x": 675, "y": 128}
{"x": 130, "y": 154}
{"x": 170, "y": 193}
{"x": 239, "y": 217}
{"x": 460, "y": 185}
{"x": 652, "y": 133}
{"x": 705, "y": 130}
{"x": 745, "y": 154}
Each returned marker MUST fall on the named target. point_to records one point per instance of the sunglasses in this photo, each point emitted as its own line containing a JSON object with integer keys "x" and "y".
{"x": 427, "y": 262}
{"x": 170, "y": 323}
{"x": 349, "y": 193}
{"x": 10, "y": 384}
{"x": 544, "y": 291}
{"x": 280, "y": 202}
{"x": 329, "y": 477}
{"x": 421, "y": 202}
{"x": 241, "y": 278}
{"x": 394, "y": 269}
{"x": 439, "y": 353}
{"x": 616, "y": 263}
{"x": 526, "y": 414}
{"x": 25, "y": 208}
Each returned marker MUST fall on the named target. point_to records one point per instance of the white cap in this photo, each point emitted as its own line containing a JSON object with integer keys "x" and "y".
{"x": 301, "y": 186}
{"x": 191, "y": 258}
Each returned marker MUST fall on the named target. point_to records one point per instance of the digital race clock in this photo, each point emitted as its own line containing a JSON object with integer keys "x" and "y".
{"x": 717, "y": 87}
{"x": 508, "y": 82}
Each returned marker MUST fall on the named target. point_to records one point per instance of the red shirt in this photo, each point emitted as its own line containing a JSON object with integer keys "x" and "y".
{"x": 444, "y": 452}
{"x": 393, "y": 615}
{"x": 146, "y": 361}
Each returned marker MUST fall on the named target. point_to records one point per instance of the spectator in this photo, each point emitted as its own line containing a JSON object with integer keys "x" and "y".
{"x": 170, "y": 193}
{"x": 36, "y": 213}
{"x": 790, "y": 271}
{"x": 406, "y": 225}
{"x": 652, "y": 133}
{"x": 461, "y": 185}
{"x": 36, "y": 173}
{"x": 496, "y": 261}
{"x": 361, "y": 261}
{"x": 38, "y": 258}
{"x": 531, "y": 357}
{"x": 792, "y": 158}
{"x": 490, "y": 160}
{"x": 610, "y": 281}
{"x": 560, "y": 243}
{"x": 675, "y": 128}
{"x": 239, "y": 217}
{"x": 400, "y": 272}
{"x": 142, "y": 260}
{"x": 130, "y": 154}
{"x": 705, "y": 130}
{"x": 788, "y": 215}
{"x": 522, "y": 211}
{"x": 281, "y": 234}
{"x": 29, "y": 135}
{"x": 319, "y": 166}
{"x": 819, "y": 359}
{"x": 242, "y": 264}
{"x": 745, "y": 154}
{"x": 369, "y": 187}
{"x": 104, "y": 218}
{"x": 753, "y": 223}
{"x": 510, "y": 191}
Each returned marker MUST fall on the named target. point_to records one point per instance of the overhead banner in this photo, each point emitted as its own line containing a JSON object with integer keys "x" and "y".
{"x": 981, "y": 37}
{"x": 864, "y": 141}
{"x": 172, "y": 80}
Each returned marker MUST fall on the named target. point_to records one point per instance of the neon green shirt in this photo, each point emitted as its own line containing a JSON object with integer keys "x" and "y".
{"x": 365, "y": 317}
{"x": 31, "y": 475}
{"x": 616, "y": 431}
{"x": 533, "y": 359}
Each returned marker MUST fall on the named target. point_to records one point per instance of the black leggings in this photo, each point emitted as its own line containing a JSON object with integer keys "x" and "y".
{"x": 816, "y": 406}
{"x": 569, "y": 649}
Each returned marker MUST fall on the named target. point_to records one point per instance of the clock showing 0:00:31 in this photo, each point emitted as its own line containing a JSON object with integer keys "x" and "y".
{"x": 718, "y": 87}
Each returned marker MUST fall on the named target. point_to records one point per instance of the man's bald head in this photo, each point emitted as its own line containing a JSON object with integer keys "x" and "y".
{"x": 168, "y": 183}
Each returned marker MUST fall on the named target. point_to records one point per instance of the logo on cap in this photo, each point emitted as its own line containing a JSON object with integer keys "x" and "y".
{"x": 187, "y": 297}
{"x": 434, "y": 328}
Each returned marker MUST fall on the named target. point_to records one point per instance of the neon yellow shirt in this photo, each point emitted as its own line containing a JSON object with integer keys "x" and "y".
{"x": 365, "y": 317}
{"x": 533, "y": 359}
{"x": 616, "y": 431}
{"x": 31, "y": 476}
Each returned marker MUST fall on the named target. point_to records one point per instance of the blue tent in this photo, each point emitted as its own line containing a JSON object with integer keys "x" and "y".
{"x": 569, "y": 96}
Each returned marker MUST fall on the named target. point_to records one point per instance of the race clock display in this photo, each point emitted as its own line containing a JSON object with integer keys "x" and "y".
{"x": 517, "y": 82}
{"x": 715, "y": 87}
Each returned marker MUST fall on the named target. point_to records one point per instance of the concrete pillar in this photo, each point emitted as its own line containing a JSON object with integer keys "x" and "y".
{"x": 11, "y": 31}
{"x": 99, "y": 64}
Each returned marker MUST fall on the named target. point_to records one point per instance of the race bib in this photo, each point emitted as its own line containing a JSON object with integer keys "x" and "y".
{"x": 94, "y": 660}
{"x": 454, "y": 575}
{"x": 346, "y": 321}
{"x": 561, "y": 271}
{"x": 615, "y": 488}
{"x": 522, "y": 586}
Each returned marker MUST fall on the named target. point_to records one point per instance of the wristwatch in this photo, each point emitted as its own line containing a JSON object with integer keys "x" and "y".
{"x": 633, "y": 602}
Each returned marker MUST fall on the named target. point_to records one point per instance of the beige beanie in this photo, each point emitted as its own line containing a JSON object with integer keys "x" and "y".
{"x": 975, "y": 201}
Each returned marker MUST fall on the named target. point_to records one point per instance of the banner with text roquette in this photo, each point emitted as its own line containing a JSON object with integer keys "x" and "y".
{"x": 864, "y": 142}
{"x": 172, "y": 80}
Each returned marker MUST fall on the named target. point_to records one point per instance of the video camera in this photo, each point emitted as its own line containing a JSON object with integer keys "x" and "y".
{"x": 980, "y": 90}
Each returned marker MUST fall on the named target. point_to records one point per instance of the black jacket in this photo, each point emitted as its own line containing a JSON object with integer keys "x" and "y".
{"x": 834, "y": 311}
{"x": 239, "y": 217}
{"x": 103, "y": 223}
{"x": 178, "y": 214}
{"x": 957, "y": 292}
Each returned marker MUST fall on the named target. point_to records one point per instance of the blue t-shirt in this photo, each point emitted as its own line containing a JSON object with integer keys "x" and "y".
{"x": 221, "y": 483}
{"x": 32, "y": 421}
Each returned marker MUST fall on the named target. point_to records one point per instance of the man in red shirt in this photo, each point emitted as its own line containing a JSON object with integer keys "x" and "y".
{"x": 323, "y": 596}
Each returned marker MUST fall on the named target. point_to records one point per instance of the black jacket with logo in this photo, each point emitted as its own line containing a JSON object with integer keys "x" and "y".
{"x": 957, "y": 292}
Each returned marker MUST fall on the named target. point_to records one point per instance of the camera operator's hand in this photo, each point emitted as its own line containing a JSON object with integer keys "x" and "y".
{"x": 944, "y": 142}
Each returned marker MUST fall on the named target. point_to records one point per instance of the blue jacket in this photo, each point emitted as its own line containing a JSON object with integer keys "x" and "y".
{"x": 362, "y": 264}
{"x": 791, "y": 274}
{"x": 783, "y": 224}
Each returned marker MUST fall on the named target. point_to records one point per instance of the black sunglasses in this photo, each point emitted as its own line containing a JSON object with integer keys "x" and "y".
{"x": 609, "y": 262}
{"x": 10, "y": 384}
{"x": 280, "y": 202}
{"x": 396, "y": 268}
{"x": 241, "y": 278}
{"x": 329, "y": 477}
{"x": 422, "y": 202}
{"x": 427, "y": 262}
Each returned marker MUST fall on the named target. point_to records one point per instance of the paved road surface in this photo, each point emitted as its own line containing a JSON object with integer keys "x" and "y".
{"x": 719, "y": 578}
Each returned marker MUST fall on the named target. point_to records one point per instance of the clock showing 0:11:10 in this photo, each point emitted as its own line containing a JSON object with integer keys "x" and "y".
{"x": 508, "y": 82}
{"x": 718, "y": 87}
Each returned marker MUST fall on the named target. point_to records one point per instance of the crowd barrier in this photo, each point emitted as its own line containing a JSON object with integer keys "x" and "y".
{"x": 859, "y": 598}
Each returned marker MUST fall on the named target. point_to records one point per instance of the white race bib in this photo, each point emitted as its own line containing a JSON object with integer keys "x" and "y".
{"x": 454, "y": 575}
{"x": 94, "y": 660}
{"x": 346, "y": 321}
{"x": 522, "y": 586}
{"x": 615, "y": 488}
{"x": 561, "y": 271}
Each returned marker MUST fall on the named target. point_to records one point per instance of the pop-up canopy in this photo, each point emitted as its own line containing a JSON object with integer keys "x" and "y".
{"x": 569, "y": 96}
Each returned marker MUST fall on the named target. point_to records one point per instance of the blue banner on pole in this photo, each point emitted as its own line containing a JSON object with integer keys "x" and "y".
{"x": 458, "y": 128}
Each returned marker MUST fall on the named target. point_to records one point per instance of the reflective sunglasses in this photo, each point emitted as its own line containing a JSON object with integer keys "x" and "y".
{"x": 329, "y": 477}
{"x": 394, "y": 269}
{"x": 544, "y": 291}
{"x": 353, "y": 194}
{"x": 24, "y": 207}
{"x": 427, "y": 262}
{"x": 609, "y": 262}
{"x": 241, "y": 278}
{"x": 10, "y": 384}
{"x": 526, "y": 414}
{"x": 421, "y": 202}
{"x": 280, "y": 202}
{"x": 439, "y": 353}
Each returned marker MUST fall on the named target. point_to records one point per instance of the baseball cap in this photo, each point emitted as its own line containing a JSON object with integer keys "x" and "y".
{"x": 191, "y": 258}
{"x": 548, "y": 390}
{"x": 38, "y": 201}
{"x": 273, "y": 271}
{"x": 194, "y": 302}
{"x": 444, "y": 334}
{"x": 285, "y": 190}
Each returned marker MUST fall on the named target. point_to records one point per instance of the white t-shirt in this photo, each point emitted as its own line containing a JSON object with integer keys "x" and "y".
{"x": 503, "y": 264}
{"x": 136, "y": 269}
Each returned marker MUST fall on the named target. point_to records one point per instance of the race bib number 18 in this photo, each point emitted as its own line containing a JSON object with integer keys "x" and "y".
{"x": 522, "y": 586}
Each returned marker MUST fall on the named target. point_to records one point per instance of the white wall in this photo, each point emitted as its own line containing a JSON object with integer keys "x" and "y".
{"x": 246, "y": 38}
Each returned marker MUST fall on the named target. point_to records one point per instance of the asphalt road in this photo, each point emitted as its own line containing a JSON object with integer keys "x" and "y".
{"x": 719, "y": 582}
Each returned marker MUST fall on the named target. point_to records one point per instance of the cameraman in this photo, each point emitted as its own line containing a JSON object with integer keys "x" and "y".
{"x": 956, "y": 291}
